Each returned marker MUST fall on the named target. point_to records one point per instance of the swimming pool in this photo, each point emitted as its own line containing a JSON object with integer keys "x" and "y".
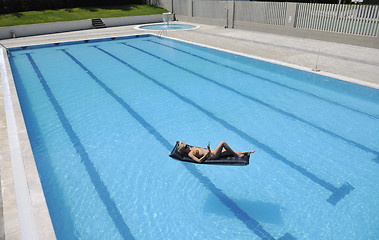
{"x": 103, "y": 115}
{"x": 172, "y": 26}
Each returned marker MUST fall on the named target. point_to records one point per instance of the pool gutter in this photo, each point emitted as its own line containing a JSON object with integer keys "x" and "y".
{"x": 23, "y": 198}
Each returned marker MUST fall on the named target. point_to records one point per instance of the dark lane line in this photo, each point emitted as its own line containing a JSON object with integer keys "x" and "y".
{"x": 280, "y": 111}
{"x": 337, "y": 193}
{"x": 268, "y": 80}
{"x": 100, "y": 187}
{"x": 251, "y": 223}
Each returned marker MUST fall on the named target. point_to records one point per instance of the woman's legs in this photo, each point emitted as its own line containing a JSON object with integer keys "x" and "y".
{"x": 223, "y": 150}
{"x": 218, "y": 151}
{"x": 241, "y": 153}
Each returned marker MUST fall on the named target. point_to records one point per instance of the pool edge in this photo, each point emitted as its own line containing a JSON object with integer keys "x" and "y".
{"x": 17, "y": 223}
{"x": 285, "y": 64}
{"x": 138, "y": 27}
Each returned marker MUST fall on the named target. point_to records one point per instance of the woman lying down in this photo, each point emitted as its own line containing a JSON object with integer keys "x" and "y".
{"x": 201, "y": 154}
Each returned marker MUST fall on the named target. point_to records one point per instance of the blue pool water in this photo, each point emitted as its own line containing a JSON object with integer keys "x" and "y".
{"x": 103, "y": 115}
{"x": 171, "y": 26}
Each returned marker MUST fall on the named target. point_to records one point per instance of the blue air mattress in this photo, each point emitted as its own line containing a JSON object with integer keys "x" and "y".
{"x": 222, "y": 161}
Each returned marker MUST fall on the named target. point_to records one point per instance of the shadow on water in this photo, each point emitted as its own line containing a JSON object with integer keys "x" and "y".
{"x": 260, "y": 211}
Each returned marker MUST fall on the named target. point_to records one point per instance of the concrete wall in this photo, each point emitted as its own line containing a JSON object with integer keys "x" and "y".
{"x": 123, "y": 21}
{"x": 44, "y": 28}
{"x": 56, "y": 27}
{"x": 166, "y": 4}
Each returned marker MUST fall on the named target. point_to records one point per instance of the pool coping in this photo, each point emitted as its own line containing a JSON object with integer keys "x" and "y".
{"x": 25, "y": 211}
{"x": 43, "y": 226}
{"x": 138, "y": 27}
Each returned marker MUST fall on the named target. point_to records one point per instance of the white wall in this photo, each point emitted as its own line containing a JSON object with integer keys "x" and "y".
{"x": 123, "y": 21}
{"x": 46, "y": 28}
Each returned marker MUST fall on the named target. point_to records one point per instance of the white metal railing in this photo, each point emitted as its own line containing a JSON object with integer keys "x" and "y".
{"x": 261, "y": 12}
{"x": 360, "y": 20}
{"x": 162, "y": 32}
{"x": 351, "y": 19}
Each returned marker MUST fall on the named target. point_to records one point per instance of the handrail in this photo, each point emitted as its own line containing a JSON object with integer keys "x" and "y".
{"x": 161, "y": 32}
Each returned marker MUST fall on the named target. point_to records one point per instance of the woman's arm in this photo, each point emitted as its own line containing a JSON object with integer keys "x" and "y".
{"x": 199, "y": 160}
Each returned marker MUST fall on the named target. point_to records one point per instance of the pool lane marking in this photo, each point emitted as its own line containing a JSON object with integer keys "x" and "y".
{"x": 337, "y": 193}
{"x": 251, "y": 223}
{"x": 100, "y": 187}
{"x": 290, "y": 115}
{"x": 268, "y": 80}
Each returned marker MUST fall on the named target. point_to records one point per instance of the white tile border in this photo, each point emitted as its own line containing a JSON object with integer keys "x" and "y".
{"x": 30, "y": 201}
{"x": 28, "y": 226}
{"x": 138, "y": 27}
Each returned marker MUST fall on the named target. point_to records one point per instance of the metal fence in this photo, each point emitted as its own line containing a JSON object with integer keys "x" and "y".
{"x": 362, "y": 20}
{"x": 261, "y": 12}
{"x": 351, "y": 19}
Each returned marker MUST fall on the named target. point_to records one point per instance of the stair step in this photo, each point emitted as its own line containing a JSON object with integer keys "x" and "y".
{"x": 98, "y": 23}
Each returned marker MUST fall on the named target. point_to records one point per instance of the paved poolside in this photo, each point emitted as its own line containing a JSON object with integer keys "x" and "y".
{"x": 353, "y": 63}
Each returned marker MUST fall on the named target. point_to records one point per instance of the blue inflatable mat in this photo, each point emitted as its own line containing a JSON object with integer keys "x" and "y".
{"x": 222, "y": 161}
